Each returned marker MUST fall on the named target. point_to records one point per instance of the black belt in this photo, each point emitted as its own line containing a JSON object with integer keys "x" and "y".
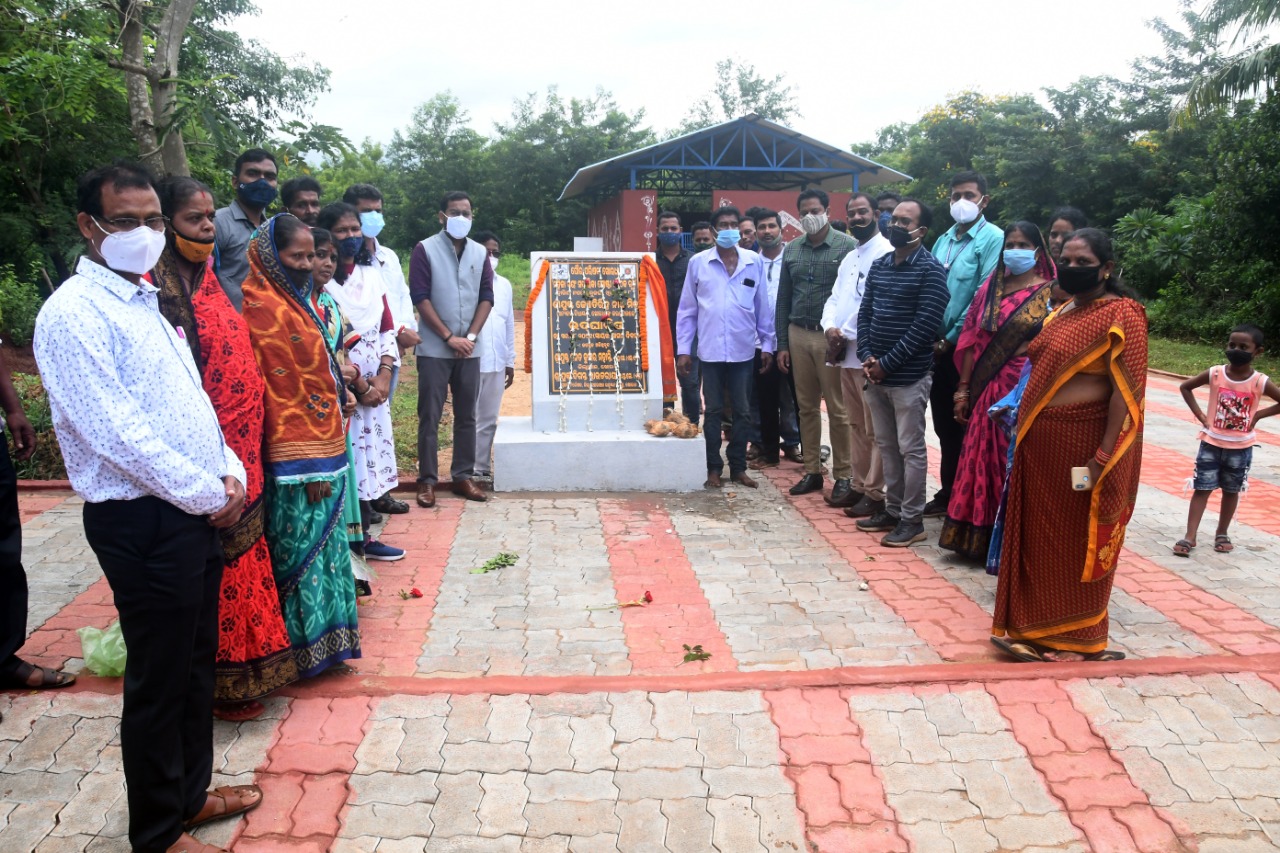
{"x": 812, "y": 327}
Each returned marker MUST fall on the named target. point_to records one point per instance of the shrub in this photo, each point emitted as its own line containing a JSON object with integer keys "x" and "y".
{"x": 20, "y": 302}
{"x": 46, "y": 463}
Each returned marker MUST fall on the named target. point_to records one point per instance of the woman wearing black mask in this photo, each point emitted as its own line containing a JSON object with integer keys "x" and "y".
{"x": 304, "y": 445}
{"x": 253, "y": 645}
{"x": 1082, "y": 409}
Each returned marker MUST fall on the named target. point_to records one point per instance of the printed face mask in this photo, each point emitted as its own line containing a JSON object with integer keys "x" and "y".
{"x": 812, "y": 223}
{"x": 196, "y": 251}
{"x": 668, "y": 238}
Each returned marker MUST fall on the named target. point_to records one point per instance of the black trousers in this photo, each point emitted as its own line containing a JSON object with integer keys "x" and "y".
{"x": 950, "y": 432}
{"x": 165, "y": 570}
{"x": 13, "y": 580}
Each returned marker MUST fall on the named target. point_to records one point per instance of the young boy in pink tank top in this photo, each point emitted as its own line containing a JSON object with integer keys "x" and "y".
{"x": 1227, "y": 438}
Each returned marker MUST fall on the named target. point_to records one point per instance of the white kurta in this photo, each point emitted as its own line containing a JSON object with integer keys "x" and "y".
{"x": 371, "y": 437}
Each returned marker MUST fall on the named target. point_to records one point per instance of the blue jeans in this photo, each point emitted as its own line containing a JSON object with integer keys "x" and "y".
{"x": 719, "y": 377}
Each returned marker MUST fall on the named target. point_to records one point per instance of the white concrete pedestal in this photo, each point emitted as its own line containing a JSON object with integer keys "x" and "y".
{"x": 603, "y": 460}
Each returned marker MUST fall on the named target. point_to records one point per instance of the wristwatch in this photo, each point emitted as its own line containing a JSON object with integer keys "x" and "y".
{"x": 471, "y": 336}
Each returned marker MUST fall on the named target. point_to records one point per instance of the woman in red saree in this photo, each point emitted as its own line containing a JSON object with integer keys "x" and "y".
{"x": 1006, "y": 314}
{"x": 1083, "y": 408}
{"x": 254, "y": 656}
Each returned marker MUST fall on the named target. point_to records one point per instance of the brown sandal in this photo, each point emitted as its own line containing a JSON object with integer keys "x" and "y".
{"x": 187, "y": 844}
{"x": 50, "y": 679}
{"x": 226, "y": 801}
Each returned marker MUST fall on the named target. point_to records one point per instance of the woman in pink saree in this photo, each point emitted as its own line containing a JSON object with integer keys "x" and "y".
{"x": 1006, "y": 314}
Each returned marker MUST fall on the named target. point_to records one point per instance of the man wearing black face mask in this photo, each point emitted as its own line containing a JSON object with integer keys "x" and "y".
{"x": 905, "y": 298}
{"x": 255, "y": 185}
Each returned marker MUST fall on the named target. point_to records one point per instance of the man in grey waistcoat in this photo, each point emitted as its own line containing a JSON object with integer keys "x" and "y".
{"x": 451, "y": 283}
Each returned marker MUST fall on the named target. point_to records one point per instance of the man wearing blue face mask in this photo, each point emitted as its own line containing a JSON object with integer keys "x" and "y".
{"x": 255, "y": 185}
{"x": 968, "y": 253}
{"x": 725, "y": 304}
{"x": 673, "y": 261}
{"x": 885, "y": 203}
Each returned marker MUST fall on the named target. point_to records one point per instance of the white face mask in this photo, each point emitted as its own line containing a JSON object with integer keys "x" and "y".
{"x": 133, "y": 251}
{"x": 493, "y": 262}
{"x": 457, "y": 226}
{"x": 812, "y": 223}
{"x": 964, "y": 211}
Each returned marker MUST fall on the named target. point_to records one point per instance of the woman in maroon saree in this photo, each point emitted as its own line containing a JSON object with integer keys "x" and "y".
{"x": 254, "y": 656}
{"x": 1006, "y": 314}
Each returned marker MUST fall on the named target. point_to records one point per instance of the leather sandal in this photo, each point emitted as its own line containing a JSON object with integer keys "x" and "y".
{"x": 50, "y": 679}
{"x": 226, "y": 801}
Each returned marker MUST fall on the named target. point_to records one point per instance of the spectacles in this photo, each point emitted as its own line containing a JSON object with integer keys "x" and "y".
{"x": 128, "y": 223}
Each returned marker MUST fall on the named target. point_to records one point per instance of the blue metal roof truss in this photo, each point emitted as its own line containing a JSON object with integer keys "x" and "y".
{"x": 733, "y": 155}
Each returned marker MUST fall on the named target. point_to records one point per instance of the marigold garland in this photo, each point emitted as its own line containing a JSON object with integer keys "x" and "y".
{"x": 528, "y": 314}
{"x": 643, "y": 315}
{"x": 650, "y": 270}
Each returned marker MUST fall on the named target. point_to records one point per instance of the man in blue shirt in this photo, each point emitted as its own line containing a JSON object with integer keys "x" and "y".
{"x": 968, "y": 253}
{"x": 725, "y": 305}
{"x": 906, "y": 295}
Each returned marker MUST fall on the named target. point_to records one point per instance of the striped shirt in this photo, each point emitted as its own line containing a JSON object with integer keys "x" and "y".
{"x": 808, "y": 274}
{"x": 900, "y": 313}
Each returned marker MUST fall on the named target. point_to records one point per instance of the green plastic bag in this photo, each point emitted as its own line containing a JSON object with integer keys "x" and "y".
{"x": 103, "y": 651}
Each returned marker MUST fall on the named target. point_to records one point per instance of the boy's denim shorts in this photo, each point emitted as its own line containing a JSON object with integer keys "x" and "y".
{"x": 1222, "y": 468}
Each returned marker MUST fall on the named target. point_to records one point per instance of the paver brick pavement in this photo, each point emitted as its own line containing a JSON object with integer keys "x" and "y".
{"x": 851, "y": 700}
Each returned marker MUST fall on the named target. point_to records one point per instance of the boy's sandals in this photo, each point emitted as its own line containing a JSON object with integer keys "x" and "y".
{"x": 1183, "y": 548}
{"x": 226, "y": 801}
{"x": 1222, "y": 544}
{"x": 1028, "y": 653}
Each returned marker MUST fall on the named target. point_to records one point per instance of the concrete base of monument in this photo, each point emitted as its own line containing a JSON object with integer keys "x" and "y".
{"x": 599, "y": 461}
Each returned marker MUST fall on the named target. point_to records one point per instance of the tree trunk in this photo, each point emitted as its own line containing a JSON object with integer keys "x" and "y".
{"x": 169, "y": 35}
{"x": 151, "y": 88}
{"x": 136, "y": 83}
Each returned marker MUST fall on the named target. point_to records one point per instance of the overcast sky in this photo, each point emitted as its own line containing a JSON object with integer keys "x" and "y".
{"x": 854, "y": 65}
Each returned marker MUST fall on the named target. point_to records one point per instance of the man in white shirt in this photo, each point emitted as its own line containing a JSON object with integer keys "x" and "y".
{"x": 497, "y": 347}
{"x": 143, "y": 448}
{"x": 840, "y": 324}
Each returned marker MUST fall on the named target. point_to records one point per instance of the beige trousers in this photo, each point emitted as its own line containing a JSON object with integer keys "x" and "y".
{"x": 815, "y": 383}
{"x": 868, "y": 473}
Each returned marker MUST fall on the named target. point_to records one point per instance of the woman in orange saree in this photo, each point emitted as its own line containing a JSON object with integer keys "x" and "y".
{"x": 1083, "y": 407}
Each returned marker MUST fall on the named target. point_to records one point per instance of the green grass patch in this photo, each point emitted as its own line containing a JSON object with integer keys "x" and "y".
{"x": 516, "y": 269}
{"x": 1189, "y": 358}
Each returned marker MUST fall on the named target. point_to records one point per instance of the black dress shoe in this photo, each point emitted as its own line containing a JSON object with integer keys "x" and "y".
{"x": 793, "y": 454}
{"x": 842, "y": 494}
{"x": 375, "y": 517}
{"x": 808, "y": 483}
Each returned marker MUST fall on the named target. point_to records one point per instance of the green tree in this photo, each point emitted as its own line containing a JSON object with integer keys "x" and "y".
{"x": 436, "y": 153}
{"x": 538, "y": 151}
{"x": 740, "y": 90}
{"x": 1252, "y": 72}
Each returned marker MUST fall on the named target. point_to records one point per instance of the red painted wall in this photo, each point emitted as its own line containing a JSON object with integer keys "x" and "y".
{"x": 627, "y": 223}
{"x": 783, "y": 201}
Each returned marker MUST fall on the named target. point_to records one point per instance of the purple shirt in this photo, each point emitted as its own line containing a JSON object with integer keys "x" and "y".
{"x": 727, "y": 313}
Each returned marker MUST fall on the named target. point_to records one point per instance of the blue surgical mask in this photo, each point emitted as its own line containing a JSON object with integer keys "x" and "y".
{"x": 349, "y": 247}
{"x": 1018, "y": 261}
{"x": 257, "y": 194}
{"x": 669, "y": 238}
{"x": 884, "y": 222}
{"x": 727, "y": 238}
{"x": 372, "y": 223}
